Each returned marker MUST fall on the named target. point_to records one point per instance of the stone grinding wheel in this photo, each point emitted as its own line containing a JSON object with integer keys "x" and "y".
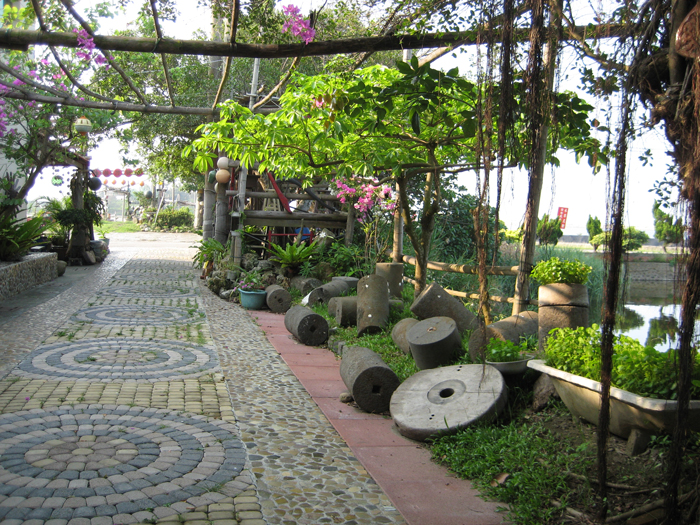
{"x": 398, "y": 334}
{"x": 393, "y": 273}
{"x": 346, "y": 310}
{"x": 350, "y": 281}
{"x": 370, "y": 381}
{"x": 434, "y": 342}
{"x": 305, "y": 284}
{"x": 561, "y": 306}
{"x": 434, "y": 301}
{"x": 372, "y": 304}
{"x": 444, "y": 400}
{"x": 306, "y": 325}
{"x": 323, "y": 293}
{"x": 509, "y": 329}
{"x": 278, "y": 299}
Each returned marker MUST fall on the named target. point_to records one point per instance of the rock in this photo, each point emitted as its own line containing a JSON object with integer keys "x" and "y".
{"x": 398, "y": 334}
{"x": 444, "y": 400}
{"x": 61, "y": 267}
{"x": 278, "y": 299}
{"x": 372, "y": 304}
{"x": 345, "y": 397}
{"x": 216, "y": 284}
{"x": 434, "y": 301}
{"x": 542, "y": 392}
{"x": 306, "y": 325}
{"x": 637, "y": 442}
{"x": 393, "y": 273}
{"x": 226, "y": 294}
{"x": 324, "y": 271}
{"x": 509, "y": 329}
{"x": 263, "y": 265}
{"x": 368, "y": 378}
{"x": 323, "y": 293}
{"x": 350, "y": 281}
{"x": 249, "y": 261}
{"x": 305, "y": 284}
{"x": 434, "y": 342}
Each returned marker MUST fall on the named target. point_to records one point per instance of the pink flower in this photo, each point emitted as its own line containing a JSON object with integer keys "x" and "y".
{"x": 297, "y": 25}
{"x": 17, "y": 82}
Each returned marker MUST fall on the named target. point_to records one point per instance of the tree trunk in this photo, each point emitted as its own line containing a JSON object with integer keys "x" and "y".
{"x": 77, "y": 238}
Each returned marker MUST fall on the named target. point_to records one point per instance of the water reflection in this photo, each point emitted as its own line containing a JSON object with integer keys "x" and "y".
{"x": 651, "y": 313}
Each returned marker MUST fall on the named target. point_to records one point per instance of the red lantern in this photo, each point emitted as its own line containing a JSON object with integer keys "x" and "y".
{"x": 138, "y": 172}
{"x": 107, "y": 172}
{"x": 123, "y": 181}
{"x": 128, "y": 172}
{"x": 106, "y": 181}
{"x": 114, "y": 181}
{"x": 117, "y": 172}
{"x": 97, "y": 173}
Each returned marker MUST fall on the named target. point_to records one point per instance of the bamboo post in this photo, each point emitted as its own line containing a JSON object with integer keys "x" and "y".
{"x": 222, "y": 226}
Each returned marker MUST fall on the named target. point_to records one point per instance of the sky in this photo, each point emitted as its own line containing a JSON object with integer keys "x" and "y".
{"x": 572, "y": 185}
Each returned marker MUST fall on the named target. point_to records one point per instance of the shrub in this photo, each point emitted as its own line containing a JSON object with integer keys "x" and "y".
{"x": 18, "y": 236}
{"x": 639, "y": 369}
{"x": 554, "y": 270}
{"x": 169, "y": 218}
{"x": 499, "y": 351}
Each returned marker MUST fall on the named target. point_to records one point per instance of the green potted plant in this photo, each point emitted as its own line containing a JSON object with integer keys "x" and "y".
{"x": 102, "y": 232}
{"x": 251, "y": 288}
{"x": 562, "y": 295}
{"x": 508, "y": 357}
{"x": 293, "y": 256}
{"x": 643, "y": 381}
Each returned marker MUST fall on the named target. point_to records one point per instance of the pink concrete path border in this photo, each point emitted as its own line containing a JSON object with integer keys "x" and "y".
{"x": 422, "y": 491}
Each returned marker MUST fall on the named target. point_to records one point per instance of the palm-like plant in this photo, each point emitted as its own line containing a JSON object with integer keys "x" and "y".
{"x": 293, "y": 256}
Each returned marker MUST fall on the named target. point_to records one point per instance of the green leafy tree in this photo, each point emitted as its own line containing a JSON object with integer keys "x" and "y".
{"x": 593, "y": 228}
{"x": 666, "y": 230}
{"x": 415, "y": 126}
{"x": 549, "y": 230}
{"x": 633, "y": 239}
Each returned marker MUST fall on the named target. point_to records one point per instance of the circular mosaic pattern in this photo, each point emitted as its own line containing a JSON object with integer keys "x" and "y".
{"x": 119, "y": 359}
{"x": 110, "y": 462}
{"x": 152, "y": 291}
{"x": 133, "y": 315}
{"x": 156, "y": 277}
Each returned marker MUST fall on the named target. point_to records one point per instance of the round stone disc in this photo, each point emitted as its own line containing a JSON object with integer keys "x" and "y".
{"x": 445, "y": 400}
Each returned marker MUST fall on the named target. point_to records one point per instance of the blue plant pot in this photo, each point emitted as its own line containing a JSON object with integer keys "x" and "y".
{"x": 253, "y": 299}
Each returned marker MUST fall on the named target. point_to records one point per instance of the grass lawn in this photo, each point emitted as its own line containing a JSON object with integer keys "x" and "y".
{"x": 120, "y": 227}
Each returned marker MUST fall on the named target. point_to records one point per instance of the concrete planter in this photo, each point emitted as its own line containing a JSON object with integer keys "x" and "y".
{"x": 561, "y": 306}
{"x": 628, "y": 411}
{"x": 510, "y": 367}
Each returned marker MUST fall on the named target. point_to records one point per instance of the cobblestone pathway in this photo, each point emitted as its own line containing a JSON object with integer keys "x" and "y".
{"x": 140, "y": 397}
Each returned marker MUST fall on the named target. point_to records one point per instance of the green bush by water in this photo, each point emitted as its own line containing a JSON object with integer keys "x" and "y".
{"x": 636, "y": 368}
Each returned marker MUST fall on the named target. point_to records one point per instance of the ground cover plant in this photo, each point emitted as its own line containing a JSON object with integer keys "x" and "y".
{"x": 636, "y": 368}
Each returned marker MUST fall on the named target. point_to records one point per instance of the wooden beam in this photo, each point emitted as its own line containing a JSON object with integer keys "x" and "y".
{"x": 290, "y": 196}
{"x": 113, "y": 106}
{"x": 465, "y": 295}
{"x": 22, "y": 39}
{"x": 296, "y": 223}
{"x": 339, "y": 217}
{"x": 464, "y": 268}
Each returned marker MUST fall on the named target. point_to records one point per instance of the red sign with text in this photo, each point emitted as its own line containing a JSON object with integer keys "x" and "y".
{"x": 563, "y": 213}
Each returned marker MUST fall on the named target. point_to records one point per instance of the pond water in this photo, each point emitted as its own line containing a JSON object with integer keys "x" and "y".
{"x": 651, "y": 314}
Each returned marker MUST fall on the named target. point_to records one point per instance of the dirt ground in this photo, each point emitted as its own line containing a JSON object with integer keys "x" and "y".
{"x": 633, "y": 482}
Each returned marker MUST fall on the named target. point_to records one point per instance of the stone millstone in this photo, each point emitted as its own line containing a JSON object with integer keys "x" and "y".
{"x": 446, "y": 400}
{"x": 368, "y": 378}
{"x": 372, "y": 304}
{"x": 346, "y": 310}
{"x": 305, "y": 284}
{"x": 551, "y": 317}
{"x": 323, "y": 293}
{"x": 393, "y": 273}
{"x": 509, "y": 329}
{"x": 350, "y": 281}
{"x": 332, "y": 305}
{"x": 278, "y": 299}
{"x": 306, "y": 325}
{"x": 434, "y": 342}
{"x": 434, "y": 301}
{"x": 398, "y": 334}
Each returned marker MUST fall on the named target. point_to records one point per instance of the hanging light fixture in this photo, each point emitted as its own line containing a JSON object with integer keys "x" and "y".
{"x": 118, "y": 172}
{"x": 128, "y": 172}
{"x": 83, "y": 125}
{"x": 107, "y": 172}
{"x": 223, "y": 176}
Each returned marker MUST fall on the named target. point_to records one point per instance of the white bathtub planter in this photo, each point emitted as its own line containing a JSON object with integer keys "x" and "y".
{"x": 632, "y": 417}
